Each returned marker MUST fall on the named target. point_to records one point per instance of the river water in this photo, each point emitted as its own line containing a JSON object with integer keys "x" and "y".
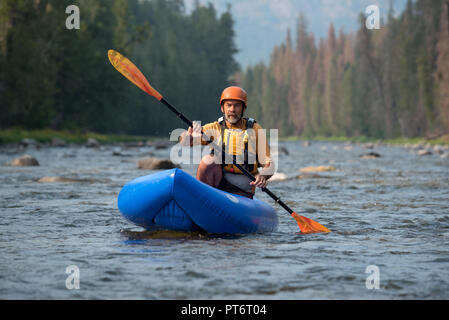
{"x": 389, "y": 218}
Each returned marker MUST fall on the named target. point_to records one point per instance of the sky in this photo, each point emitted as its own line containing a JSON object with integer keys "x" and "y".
{"x": 262, "y": 24}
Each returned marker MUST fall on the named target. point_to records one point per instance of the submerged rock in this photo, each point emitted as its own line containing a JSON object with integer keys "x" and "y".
{"x": 28, "y": 142}
{"x": 371, "y": 155}
{"x": 56, "y": 142}
{"x": 134, "y": 144}
{"x": 309, "y": 175}
{"x": 160, "y": 144}
{"x": 117, "y": 153}
{"x": 424, "y": 153}
{"x": 24, "y": 161}
{"x": 278, "y": 176}
{"x": 283, "y": 150}
{"x": 156, "y": 164}
{"x": 318, "y": 169}
{"x": 92, "y": 143}
{"x": 438, "y": 149}
{"x": 368, "y": 145}
{"x": 60, "y": 179}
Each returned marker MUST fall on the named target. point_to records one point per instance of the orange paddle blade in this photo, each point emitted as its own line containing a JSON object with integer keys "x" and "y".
{"x": 132, "y": 73}
{"x": 307, "y": 225}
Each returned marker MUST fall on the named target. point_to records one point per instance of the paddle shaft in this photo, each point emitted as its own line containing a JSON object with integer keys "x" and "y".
{"x": 245, "y": 172}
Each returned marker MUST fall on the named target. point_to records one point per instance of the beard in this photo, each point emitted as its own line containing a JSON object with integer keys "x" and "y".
{"x": 233, "y": 118}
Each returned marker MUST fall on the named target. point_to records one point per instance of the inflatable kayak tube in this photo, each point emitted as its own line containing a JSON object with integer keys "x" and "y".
{"x": 175, "y": 200}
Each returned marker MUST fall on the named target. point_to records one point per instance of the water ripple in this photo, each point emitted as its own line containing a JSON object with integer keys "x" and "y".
{"x": 390, "y": 212}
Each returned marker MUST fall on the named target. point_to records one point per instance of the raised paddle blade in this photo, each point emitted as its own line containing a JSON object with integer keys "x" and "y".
{"x": 307, "y": 225}
{"x": 132, "y": 73}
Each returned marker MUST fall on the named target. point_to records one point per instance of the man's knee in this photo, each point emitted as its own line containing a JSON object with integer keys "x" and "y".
{"x": 208, "y": 160}
{"x": 208, "y": 163}
{"x": 208, "y": 171}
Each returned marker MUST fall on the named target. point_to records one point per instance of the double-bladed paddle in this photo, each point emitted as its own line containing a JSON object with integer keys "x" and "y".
{"x": 133, "y": 74}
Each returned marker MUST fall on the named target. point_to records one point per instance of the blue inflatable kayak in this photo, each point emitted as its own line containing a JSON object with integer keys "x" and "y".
{"x": 175, "y": 200}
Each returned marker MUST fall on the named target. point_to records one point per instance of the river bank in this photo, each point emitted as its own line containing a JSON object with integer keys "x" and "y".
{"x": 49, "y": 137}
{"x": 443, "y": 140}
{"x": 55, "y": 137}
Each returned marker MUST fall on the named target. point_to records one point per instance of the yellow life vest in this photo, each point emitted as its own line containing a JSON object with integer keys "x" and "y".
{"x": 238, "y": 146}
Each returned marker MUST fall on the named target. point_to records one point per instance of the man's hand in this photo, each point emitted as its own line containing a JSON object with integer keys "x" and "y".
{"x": 261, "y": 181}
{"x": 191, "y": 134}
{"x": 196, "y": 130}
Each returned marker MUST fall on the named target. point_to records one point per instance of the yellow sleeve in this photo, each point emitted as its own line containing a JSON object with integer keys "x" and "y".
{"x": 211, "y": 130}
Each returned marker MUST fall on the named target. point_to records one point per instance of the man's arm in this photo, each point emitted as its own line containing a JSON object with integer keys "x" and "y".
{"x": 193, "y": 136}
{"x": 263, "y": 152}
{"x": 262, "y": 179}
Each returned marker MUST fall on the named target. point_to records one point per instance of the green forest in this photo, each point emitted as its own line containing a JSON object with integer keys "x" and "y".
{"x": 52, "y": 77}
{"x": 387, "y": 83}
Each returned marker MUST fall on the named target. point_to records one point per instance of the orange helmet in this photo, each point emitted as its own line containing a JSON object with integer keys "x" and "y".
{"x": 234, "y": 93}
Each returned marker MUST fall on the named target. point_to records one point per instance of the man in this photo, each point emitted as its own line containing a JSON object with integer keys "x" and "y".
{"x": 240, "y": 140}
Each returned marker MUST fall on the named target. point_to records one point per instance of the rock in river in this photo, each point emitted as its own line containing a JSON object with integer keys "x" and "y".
{"x": 371, "y": 155}
{"x": 156, "y": 164}
{"x": 279, "y": 176}
{"x": 24, "y": 161}
{"x": 424, "y": 152}
{"x": 29, "y": 142}
{"x": 318, "y": 169}
{"x": 60, "y": 179}
{"x": 57, "y": 142}
{"x": 92, "y": 143}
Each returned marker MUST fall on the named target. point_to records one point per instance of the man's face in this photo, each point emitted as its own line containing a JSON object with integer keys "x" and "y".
{"x": 232, "y": 110}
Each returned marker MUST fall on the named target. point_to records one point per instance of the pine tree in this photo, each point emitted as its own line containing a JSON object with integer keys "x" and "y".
{"x": 27, "y": 74}
{"x": 442, "y": 69}
{"x": 330, "y": 90}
